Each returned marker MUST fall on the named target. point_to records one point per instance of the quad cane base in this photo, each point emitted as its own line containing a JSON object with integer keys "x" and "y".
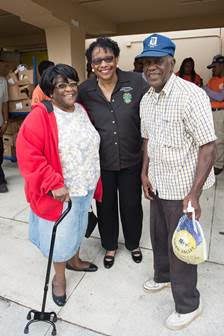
{"x": 50, "y": 318}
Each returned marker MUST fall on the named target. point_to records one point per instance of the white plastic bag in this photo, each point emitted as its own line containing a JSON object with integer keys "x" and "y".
{"x": 189, "y": 244}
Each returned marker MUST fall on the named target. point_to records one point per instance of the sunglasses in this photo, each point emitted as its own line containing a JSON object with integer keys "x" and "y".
{"x": 63, "y": 86}
{"x": 99, "y": 60}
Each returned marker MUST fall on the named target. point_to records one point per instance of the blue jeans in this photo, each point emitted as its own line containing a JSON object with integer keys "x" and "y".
{"x": 70, "y": 231}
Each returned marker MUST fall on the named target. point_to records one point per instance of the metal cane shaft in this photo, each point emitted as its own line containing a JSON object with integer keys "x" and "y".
{"x": 53, "y": 236}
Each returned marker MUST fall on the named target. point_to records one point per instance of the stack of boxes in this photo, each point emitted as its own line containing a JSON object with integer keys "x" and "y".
{"x": 9, "y": 138}
{"x": 20, "y": 85}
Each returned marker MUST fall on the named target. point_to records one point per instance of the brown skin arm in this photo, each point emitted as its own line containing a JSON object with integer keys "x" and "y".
{"x": 61, "y": 194}
{"x": 147, "y": 187}
{"x": 5, "y": 118}
{"x": 206, "y": 158}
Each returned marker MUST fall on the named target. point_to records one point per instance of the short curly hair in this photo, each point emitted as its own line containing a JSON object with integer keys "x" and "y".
{"x": 47, "y": 82}
{"x": 105, "y": 43}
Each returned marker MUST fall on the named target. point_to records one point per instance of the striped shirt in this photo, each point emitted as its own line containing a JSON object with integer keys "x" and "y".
{"x": 176, "y": 122}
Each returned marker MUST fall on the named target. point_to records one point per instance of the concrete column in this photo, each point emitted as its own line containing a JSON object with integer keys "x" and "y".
{"x": 222, "y": 40}
{"x": 78, "y": 52}
{"x": 66, "y": 44}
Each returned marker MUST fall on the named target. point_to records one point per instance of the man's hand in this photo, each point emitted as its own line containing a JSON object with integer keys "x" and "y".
{"x": 61, "y": 194}
{"x": 195, "y": 204}
{"x": 147, "y": 187}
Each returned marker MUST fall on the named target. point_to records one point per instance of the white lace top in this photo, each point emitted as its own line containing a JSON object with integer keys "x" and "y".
{"x": 78, "y": 143}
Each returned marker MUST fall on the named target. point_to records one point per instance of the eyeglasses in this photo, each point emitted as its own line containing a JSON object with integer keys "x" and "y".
{"x": 63, "y": 86}
{"x": 99, "y": 60}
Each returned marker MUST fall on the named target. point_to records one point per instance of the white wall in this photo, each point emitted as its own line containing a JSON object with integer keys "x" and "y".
{"x": 200, "y": 44}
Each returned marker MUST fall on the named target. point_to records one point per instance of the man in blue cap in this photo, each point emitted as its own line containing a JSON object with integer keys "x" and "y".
{"x": 179, "y": 151}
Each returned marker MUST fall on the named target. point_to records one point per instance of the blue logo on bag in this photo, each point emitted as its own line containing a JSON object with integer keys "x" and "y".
{"x": 186, "y": 224}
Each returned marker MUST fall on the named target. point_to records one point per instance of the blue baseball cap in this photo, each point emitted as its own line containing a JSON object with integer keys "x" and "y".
{"x": 157, "y": 45}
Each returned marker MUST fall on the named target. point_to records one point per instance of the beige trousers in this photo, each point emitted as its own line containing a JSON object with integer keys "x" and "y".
{"x": 218, "y": 117}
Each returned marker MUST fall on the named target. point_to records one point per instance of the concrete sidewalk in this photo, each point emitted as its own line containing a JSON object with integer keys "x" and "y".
{"x": 108, "y": 302}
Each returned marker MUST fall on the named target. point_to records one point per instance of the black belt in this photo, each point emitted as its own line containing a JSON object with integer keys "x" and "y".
{"x": 217, "y": 109}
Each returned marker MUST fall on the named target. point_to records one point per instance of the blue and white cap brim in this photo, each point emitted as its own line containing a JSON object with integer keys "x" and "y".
{"x": 153, "y": 53}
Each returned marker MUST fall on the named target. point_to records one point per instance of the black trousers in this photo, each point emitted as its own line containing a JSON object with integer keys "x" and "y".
{"x": 164, "y": 217}
{"x": 127, "y": 183}
{"x": 2, "y": 176}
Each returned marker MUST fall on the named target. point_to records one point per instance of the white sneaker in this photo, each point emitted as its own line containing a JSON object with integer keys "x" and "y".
{"x": 178, "y": 321}
{"x": 152, "y": 286}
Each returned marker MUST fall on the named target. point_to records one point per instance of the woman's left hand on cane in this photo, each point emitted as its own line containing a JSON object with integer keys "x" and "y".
{"x": 61, "y": 194}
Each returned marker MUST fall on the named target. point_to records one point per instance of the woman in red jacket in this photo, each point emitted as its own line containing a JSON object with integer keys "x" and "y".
{"x": 58, "y": 156}
{"x": 188, "y": 73}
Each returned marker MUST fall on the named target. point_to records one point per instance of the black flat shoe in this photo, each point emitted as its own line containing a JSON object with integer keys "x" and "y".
{"x": 136, "y": 256}
{"x": 90, "y": 268}
{"x": 59, "y": 300}
{"x": 3, "y": 188}
{"x": 108, "y": 261}
{"x": 217, "y": 171}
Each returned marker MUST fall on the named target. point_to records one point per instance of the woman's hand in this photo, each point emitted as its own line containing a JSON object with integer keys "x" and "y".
{"x": 61, "y": 194}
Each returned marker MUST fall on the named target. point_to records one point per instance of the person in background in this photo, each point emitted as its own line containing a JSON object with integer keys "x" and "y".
{"x": 179, "y": 152}
{"x": 188, "y": 73}
{"x": 38, "y": 95}
{"x": 58, "y": 156}
{"x": 215, "y": 91}
{"x": 3, "y": 127}
{"x": 138, "y": 67}
{"x": 89, "y": 69}
{"x": 112, "y": 99}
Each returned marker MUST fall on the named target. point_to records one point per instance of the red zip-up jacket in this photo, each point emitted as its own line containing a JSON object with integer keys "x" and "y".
{"x": 39, "y": 162}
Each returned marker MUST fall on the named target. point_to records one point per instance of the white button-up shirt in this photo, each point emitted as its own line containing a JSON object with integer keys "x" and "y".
{"x": 176, "y": 122}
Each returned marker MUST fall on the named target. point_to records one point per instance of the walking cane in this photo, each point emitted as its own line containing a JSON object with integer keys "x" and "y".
{"x": 43, "y": 316}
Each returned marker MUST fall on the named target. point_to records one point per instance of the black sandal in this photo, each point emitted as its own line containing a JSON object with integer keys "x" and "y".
{"x": 136, "y": 256}
{"x": 108, "y": 261}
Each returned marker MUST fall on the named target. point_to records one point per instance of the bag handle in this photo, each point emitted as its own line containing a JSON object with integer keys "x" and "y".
{"x": 190, "y": 209}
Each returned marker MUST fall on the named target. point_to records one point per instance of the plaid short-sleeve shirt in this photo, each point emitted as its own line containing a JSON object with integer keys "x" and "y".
{"x": 176, "y": 122}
